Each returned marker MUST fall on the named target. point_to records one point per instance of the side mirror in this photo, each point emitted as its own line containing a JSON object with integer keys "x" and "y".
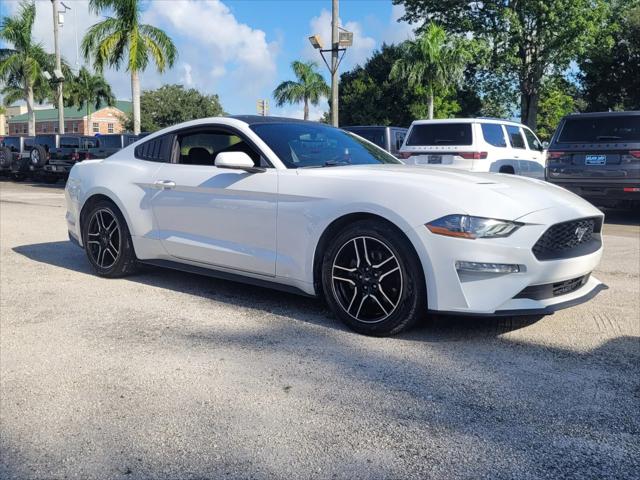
{"x": 545, "y": 145}
{"x": 237, "y": 161}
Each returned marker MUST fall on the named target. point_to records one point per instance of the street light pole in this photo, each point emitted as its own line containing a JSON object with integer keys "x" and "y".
{"x": 340, "y": 40}
{"x": 58, "y": 69}
{"x": 334, "y": 63}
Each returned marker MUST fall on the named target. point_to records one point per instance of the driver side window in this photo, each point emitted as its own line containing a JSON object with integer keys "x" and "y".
{"x": 201, "y": 147}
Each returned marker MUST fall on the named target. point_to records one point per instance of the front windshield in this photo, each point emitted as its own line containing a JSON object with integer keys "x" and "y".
{"x": 317, "y": 145}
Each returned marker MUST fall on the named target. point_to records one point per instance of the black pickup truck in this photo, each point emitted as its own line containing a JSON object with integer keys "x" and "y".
{"x": 53, "y": 156}
{"x": 109, "y": 144}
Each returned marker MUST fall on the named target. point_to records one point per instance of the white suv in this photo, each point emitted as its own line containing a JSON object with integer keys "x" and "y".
{"x": 475, "y": 144}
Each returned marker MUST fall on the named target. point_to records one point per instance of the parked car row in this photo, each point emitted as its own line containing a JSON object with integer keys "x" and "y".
{"x": 595, "y": 155}
{"x": 50, "y": 157}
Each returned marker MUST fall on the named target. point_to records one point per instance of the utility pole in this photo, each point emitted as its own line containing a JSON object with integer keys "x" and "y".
{"x": 335, "y": 45}
{"x": 58, "y": 71}
{"x": 340, "y": 40}
{"x": 263, "y": 107}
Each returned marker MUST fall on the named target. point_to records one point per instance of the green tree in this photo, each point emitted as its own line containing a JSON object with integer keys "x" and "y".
{"x": 22, "y": 67}
{"x": 368, "y": 96}
{"x": 610, "y": 70}
{"x": 308, "y": 88}
{"x": 433, "y": 63}
{"x": 122, "y": 38}
{"x": 525, "y": 38}
{"x": 86, "y": 90}
{"x": 171, "y": 104}
{"x": 558, "y": 97}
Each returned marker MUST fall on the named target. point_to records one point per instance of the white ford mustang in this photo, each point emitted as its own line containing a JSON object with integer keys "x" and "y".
{"x": 306, "y": 207}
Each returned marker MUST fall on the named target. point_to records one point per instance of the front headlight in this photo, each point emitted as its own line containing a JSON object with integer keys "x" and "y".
{"x": 465, "y": 226}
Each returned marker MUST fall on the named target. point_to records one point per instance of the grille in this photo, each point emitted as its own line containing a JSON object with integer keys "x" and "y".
{"x": 569, "y": 239}
{"x": 550, "y": 290}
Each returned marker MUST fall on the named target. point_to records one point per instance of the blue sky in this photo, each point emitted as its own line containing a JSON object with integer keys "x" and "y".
{"x": 239, "y": 49}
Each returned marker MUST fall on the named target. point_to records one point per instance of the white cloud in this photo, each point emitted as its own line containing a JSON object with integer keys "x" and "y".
{"x": 212, "y": 45}
{"x": 76, "y": 21}
{"x": 397, "y": 32}
{"x": 357, "y": 54}
{"x": 187, "y": 78}
{"x": 217, "y": 44}
{"x": 297, "y": 111}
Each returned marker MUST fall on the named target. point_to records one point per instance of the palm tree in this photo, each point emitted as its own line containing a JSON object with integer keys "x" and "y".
{"x": 308, "y": 89}
{"x": 433, "y": 62}
{"x": 87, "y": 89}
{"x": 122, "y": 38}
{"x": 22, "y": 67}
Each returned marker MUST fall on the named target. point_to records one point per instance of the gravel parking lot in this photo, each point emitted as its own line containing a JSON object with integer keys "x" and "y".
{"x": 171, "y": 375}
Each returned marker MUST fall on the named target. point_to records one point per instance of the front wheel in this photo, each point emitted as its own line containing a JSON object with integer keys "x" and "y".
{"x": 107, "y": 241}
{"x": 372, "y": 279}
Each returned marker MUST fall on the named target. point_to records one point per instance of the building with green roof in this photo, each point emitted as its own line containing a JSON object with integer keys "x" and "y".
{"x": 103, "y": 120}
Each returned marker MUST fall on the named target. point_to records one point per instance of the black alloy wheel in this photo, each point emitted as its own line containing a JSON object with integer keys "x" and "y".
{"x": 373, "y": 280}
{"x": 107, "y": 241}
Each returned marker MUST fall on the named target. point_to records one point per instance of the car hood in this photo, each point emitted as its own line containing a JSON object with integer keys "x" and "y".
{"x": 482, "y": 194}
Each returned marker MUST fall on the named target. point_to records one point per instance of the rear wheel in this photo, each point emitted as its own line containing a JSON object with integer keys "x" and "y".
{"x": 372, "y": 279}
{"x": 107, "y": 241}
{"x": 38, "y": 156}
{"x": 5, "y": 157}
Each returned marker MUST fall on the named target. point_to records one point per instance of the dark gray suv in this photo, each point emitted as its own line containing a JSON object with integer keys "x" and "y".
{"x": 389, "y": 138}
{"x": 597, "y": 156}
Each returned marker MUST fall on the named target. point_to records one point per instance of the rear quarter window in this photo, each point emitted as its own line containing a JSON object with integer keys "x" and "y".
{"x": 89, "y": 142}
{"x": 69, "y": 142}
{"x": 109, "y": 142}
{"x": 601, "y": 129}
{"x": 442, "y": 134}
{"x": 155, "y": 150}
{"x": 12, "y": 142}
{"x": 47, "y": 140}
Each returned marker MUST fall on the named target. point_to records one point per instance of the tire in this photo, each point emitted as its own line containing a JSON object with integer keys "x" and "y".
{"x": 379, "y": 288}
{"x": 6, "y": 157}
{"x": 38, "y": 156}
{"x": 108, "y": 246}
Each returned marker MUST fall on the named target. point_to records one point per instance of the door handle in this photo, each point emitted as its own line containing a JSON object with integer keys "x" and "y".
{"x": 164, "y": 184}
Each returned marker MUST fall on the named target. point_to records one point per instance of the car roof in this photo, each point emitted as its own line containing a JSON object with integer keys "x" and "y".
{"x": 466, "y": 120}
{"x": 604, "y": 114}
{"x": 372, "y": 126}
{"x": 257, "y": 119}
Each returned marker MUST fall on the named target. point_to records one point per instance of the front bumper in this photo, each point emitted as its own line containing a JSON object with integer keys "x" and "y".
{"x": 58, "y": 169}
{"x": 482, "y": 293}
{"x": 72, "y": 200}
